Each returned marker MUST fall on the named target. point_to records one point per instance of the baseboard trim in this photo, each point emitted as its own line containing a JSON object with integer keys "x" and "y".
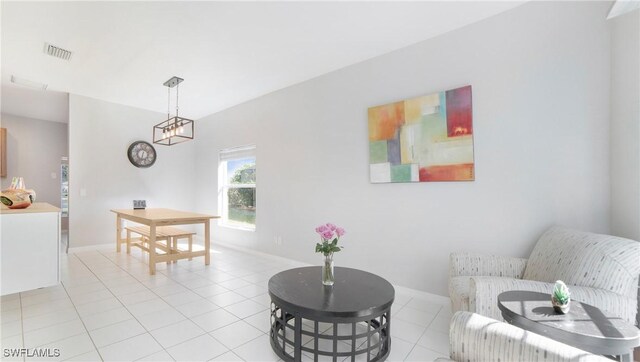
{"x": 257, "y": 253}
{"x": 78, "y": 249}
{"x": 423, "y": 295}
{"x": 404, "y": 290}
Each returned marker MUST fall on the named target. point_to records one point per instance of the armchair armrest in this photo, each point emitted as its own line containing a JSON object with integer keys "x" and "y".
{"x": 468, "y": 264}
{"x": 473, "y": 337}
{"x": 484, "y": 291}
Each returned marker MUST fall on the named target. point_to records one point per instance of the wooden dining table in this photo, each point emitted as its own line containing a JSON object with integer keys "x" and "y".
{"x": 156, "y": 217}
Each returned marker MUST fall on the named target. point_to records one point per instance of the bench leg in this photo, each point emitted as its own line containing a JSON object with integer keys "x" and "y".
{"x": 118, "y": 232}
{"x": 128, "y": 241}
{"x": 175, "y": 246}
{"x": 190, "y": 246}
{"x": 170, "y": 248}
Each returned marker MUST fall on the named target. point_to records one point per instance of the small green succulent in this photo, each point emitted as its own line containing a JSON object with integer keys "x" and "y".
{"x": 561, "y": 293}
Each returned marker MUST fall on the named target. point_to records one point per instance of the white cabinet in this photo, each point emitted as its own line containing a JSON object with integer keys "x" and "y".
{"x": 29, "y": 248}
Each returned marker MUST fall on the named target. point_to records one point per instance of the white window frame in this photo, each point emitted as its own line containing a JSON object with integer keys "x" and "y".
{"x": 224, "y": 156}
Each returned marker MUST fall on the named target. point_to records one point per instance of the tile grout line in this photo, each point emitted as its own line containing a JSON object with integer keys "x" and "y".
{"x": 414, "y": 344}
{"x": 422, "y": 334}
{"x": 22, "y": 325}
{"x": 231, "y": 349}
{"x": 209, "y": 334}
{"x": 191, "y": 290}
{"x": 39, "y": 315}
{"x": 125, "y": 307}
{"x": 81, "y": 321}
{"x": 80, "y": 318}
{"x": 149, "y": 331}
{"x": 181, "y": 271}
{"x": 50, "y": 326}
{"x": 205, "y": 332}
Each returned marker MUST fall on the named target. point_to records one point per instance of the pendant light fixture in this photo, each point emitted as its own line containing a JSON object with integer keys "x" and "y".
{"x": 175, "y": 129}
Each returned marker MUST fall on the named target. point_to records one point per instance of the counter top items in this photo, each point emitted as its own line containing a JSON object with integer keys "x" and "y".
{"x": 15, "y": 199}
{"x": 17, "y": 196}
{"x": 3, "y": 152}
{"x": 139, "y": 204}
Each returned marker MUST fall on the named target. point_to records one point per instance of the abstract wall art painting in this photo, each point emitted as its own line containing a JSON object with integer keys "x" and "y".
{"x": 423, "y": 139}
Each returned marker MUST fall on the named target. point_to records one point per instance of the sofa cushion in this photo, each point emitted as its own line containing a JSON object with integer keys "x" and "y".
{"x": 459, "y": 292}
{"x": 586, "y": 259}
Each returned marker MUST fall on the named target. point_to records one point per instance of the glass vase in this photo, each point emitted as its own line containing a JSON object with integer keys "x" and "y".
{"x": 327, "y": 270}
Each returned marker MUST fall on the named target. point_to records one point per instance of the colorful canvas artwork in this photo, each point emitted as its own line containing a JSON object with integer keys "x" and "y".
{"x": 423, "y": 139}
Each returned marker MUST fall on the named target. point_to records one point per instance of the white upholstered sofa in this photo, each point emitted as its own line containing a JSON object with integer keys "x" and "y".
{"x": 475, "y": 338}
{"x": 600, "y": 270}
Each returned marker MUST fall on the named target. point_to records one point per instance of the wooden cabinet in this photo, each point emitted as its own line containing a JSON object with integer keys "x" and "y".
{"x": 3, "y": 152}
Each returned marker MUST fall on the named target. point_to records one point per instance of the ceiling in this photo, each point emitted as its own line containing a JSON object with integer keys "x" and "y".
{"x": 621, "y": 7}
{"x": 227, "y": 52}
{"x": 25, "y": 102}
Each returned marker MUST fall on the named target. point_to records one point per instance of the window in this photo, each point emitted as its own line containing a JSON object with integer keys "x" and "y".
{"x": 237, "y": 187}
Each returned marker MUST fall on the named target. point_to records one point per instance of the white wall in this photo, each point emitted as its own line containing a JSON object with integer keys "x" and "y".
{"x": 540, "y": 77}
{"x": 99, "y": 136}
{"x": 34, "y": 151}
{"x": 625, "y": 125}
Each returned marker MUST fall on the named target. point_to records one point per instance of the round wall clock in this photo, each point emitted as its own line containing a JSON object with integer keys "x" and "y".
{"x": 141, "y": 154}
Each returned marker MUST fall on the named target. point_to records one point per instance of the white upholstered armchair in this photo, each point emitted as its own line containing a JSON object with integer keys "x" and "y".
{"x": 475, "y": 338}
{"x": 600, "y": 270}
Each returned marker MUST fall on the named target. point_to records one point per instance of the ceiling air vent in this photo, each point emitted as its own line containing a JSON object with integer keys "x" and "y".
{"x": 57, "y": 52}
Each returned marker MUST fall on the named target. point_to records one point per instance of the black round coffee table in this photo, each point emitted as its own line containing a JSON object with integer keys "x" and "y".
{"x": 348, "y": 319}
{"x": 585, "y": 326}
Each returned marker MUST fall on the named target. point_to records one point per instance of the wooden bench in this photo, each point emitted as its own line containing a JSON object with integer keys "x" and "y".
{"x": 170, "y": 235}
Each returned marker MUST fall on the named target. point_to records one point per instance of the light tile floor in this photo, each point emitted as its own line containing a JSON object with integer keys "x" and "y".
{"x": 109, "y": 308}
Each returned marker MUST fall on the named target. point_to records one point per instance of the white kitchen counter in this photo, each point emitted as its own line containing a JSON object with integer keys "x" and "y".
{"x": 29, "y": 248}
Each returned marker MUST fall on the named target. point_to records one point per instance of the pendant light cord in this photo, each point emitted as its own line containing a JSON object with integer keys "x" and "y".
{"x": 168, "y": 102}
{"x": 177, "y": 94}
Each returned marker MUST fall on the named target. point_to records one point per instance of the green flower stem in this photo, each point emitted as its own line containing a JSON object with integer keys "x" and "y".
{"x": 327, "y": 270}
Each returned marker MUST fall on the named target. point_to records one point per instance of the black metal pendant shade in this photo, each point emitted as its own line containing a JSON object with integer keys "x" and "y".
{"x": 175, "y": 129}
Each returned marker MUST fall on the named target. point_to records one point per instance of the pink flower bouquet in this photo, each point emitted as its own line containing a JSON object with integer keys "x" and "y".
{"x": 329, "y": 234}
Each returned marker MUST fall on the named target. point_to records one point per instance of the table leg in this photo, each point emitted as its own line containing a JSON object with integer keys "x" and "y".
{"x": 175, "y": 246}
{"x": 128, "y": 241}
{"x": 207, "y": 243}
{"x": 152, "y": 249}
{"x": 118, "y": 232}
{"x": 628, "y": 357}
